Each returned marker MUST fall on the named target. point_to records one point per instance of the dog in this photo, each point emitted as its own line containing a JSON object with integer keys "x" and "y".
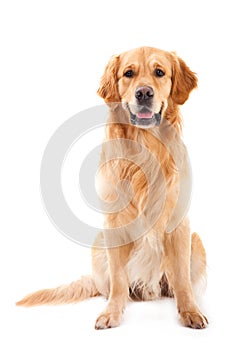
{"x": 146, "y": 249}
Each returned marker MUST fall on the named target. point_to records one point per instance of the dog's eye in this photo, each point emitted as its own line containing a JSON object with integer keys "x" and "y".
{"x": 129, "y": 73}
{"x": 159, "y": 73}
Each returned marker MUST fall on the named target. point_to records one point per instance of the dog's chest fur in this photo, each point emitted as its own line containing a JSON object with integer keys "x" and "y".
{"x": 143, "y": 269}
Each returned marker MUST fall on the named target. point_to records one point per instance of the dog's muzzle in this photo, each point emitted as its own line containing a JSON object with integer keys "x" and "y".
{"x": 142, "y": 115}
{"x": 146, "y": 119}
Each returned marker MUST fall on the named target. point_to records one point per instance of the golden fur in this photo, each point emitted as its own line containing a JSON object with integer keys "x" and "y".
{"x": 154, "y": 163}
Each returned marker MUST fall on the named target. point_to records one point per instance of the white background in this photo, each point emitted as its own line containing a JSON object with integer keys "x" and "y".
{"x": 52, "y": 56}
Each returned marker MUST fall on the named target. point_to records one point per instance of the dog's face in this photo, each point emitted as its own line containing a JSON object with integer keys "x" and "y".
{"x": 146, "y": 81}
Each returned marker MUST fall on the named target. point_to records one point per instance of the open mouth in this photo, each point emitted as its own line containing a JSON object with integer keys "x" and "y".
{"x": 145, "y": 118}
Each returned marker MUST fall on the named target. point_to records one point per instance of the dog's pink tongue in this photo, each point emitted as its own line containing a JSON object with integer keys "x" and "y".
{"x": 145, "y": 115}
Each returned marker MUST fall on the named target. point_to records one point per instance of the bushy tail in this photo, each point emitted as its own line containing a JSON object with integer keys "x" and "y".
{"x": 71, "y": 293}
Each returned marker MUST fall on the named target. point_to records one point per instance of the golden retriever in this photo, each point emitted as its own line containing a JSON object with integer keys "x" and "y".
{"x": 147, "y": 250}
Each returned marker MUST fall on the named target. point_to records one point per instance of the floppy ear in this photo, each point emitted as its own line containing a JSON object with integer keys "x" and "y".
{"x": 108, "y": 89}
{"x": 183, "y": 80}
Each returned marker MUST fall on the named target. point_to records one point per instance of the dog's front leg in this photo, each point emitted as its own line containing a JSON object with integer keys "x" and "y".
{"x": 178, "y": 251}
{"x": 119, "y": 289}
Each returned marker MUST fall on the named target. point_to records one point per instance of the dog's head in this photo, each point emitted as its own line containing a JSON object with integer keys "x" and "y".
{"x": 146, "y": 81}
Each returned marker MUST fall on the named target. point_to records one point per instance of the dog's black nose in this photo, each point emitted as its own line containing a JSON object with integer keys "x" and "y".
{"x": 143, "y": 93}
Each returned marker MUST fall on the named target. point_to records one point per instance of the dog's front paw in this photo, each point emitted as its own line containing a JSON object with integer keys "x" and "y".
{"x": 193, "y": 320}
{"x": 108, "y": 320}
